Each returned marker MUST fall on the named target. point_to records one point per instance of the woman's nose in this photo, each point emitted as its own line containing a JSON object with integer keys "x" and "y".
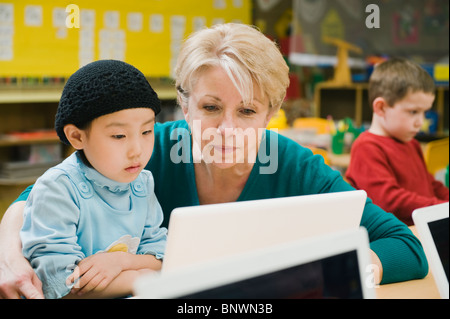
{"x": 227, "y": 125}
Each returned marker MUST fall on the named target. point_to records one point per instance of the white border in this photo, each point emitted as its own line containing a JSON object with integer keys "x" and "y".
{"x": 422, "y": 217}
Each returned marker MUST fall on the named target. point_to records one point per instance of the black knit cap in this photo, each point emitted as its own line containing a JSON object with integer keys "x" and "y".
{"x": 100, "y": 88}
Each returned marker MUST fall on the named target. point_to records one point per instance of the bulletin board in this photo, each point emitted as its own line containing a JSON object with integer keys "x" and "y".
{"x": 35, "y": 40}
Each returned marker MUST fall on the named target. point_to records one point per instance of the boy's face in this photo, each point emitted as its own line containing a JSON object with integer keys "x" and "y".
{"x": 404, "y": 119}
{"x": 119, "y": 145}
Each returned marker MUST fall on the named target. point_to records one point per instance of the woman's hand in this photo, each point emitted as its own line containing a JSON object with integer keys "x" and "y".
{"x": 18, "y": 279}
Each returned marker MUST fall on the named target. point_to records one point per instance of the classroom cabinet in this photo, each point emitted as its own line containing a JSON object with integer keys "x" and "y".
{"x": 352, "y": 101}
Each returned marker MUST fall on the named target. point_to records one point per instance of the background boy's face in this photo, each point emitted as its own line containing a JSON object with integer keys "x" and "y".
{"x": 119, "y": 145}
{"x": 404, "y": 119}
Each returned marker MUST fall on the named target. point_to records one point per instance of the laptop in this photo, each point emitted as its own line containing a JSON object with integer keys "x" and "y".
{"x": 432, "y": 226}
{"x": 207, "y": 232}
{"x": 333, "y": 266}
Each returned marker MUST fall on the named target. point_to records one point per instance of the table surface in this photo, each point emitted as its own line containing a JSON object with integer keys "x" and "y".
{"x": 413, "y": 289}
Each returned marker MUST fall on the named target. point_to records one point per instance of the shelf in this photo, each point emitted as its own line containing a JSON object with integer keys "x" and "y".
{"x": 29, "y": 96}
{"x": 5, "y": 142}
{"x": 18, "y": 181}
{"x": 352, "y": 101}
{"x": 53, "y": 95}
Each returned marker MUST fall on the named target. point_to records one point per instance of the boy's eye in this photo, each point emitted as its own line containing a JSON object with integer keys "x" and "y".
{"x": 147, "y": 132}
{"x": 118, "y": 137}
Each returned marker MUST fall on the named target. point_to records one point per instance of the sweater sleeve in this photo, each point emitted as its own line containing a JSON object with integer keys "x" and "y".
{"x": 440, "y": 190}
{"x": 370, "y": 170}
{"x": 49, "y": 235}
{"x": 400, "y": 252}
{"x": 24, "y": 195}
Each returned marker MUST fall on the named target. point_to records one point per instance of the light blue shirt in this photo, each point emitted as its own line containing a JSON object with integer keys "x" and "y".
{"x": 74, "y": 211}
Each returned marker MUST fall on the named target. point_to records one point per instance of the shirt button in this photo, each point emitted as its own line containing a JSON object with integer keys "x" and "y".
{"x": 138, "y": 187}
{"x": 83, "y": 187}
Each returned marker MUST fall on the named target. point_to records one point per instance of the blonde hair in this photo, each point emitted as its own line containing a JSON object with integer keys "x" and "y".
{"x": 397, "y": 77}
{"x": 247, "y": 56}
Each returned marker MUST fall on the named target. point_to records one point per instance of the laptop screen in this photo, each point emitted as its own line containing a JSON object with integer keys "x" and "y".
{"x": 332, "y": 277}
{"x": 439, "y": 232}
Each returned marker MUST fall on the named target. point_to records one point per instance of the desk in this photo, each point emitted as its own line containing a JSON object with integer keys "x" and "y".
{"x": 413, "y": 289}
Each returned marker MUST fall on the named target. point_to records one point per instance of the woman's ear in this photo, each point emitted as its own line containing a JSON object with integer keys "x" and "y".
{"x": 379, "y": 105}
{"x": 270, "y": 114}
{"x": 185, "y": 110}
{"x": 75, "y": 136}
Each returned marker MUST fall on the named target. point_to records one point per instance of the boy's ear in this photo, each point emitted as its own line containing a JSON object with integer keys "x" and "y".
{"x": 75, "y": 136}
{"x": 379, "y": 105}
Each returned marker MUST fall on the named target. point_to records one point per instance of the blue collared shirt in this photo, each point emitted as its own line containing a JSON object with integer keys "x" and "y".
{"x": 74, "y": 211}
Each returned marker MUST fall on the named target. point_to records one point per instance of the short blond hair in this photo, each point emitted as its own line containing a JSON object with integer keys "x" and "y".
{"x": 247, "y": 56}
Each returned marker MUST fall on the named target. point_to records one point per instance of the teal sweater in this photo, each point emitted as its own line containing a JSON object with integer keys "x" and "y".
{"x": 293, "y": 170}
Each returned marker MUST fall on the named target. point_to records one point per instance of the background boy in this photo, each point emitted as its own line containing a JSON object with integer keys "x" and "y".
{"x": 387, "y": 162}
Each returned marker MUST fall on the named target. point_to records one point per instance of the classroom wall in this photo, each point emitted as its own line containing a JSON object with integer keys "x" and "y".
{"x": 35, "y": 41}
{"x": 410, "y": 28}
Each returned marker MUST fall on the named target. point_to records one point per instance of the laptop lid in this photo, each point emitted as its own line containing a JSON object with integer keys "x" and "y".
{"x": 206, "y": 232}
{"x": 335, "y": 265}
{"x": 432, "y": 226}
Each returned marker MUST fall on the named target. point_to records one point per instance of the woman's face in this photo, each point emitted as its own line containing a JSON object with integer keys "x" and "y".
{"x": 225, "y": 131}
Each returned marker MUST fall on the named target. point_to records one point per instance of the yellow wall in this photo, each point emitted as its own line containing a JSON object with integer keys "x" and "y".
{"x": 45, "y": 48}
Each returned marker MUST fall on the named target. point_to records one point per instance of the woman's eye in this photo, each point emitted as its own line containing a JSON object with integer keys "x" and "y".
{"x": 118, "y": 137}
{"x": 247, "y": 111}
{"x": 147, "y": 132}
{"x": 210, "y": 108}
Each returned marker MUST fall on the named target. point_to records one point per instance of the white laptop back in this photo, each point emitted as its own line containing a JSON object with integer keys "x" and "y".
{"x": 335, "y": 265}
{"x": 432, "y": 226}
{"x": 207, "y": 232}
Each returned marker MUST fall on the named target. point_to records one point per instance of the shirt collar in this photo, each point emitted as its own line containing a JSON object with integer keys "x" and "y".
{"x": 100, "y": 180}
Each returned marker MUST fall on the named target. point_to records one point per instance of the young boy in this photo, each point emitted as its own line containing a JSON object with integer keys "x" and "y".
{"x": 92, "y": 223}
{"x": 387, "y": 162}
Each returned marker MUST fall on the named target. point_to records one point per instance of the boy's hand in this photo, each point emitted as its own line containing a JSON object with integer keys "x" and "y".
{"x": 95, "y": 272}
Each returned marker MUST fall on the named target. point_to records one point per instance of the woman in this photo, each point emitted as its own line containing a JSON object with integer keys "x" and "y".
{"x": 231, "y": 79}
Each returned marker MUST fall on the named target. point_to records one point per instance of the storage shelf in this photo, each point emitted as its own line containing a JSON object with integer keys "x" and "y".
{"x": 48, "y": 95}
{"x": 29, "y": 96}
{"x": 5, "y": 142}
{"x": 24, "y": 181}
{"x": 351, "y": 100}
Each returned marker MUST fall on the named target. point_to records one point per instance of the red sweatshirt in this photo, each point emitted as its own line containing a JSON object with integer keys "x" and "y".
{"x": 394, "y": 175}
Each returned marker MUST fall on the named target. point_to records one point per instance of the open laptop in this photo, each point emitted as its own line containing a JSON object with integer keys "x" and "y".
{"x": 432, "y": 226}
{"x": 335, "y": 265}
{"x": 202, "y": 233}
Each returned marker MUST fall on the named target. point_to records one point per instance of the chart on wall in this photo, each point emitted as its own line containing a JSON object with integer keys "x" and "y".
{"x": 55, "y": 38}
